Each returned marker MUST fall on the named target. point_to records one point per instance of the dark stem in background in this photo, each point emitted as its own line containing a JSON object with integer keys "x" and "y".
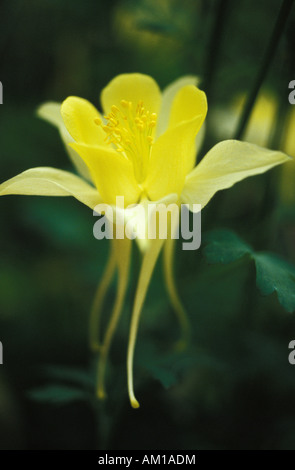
{"x": 269, "y": 55}
{"x": 212, "y": 55}
{"x": 271, "y": 198}
{"x": 16, "y": 16}
{"x": 287, "y": 68}
{"x": 214, "y": 46}
{"x": 277, "y": 133}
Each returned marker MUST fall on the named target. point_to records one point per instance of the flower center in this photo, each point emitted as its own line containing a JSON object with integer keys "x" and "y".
{"x": 131, "y": 130}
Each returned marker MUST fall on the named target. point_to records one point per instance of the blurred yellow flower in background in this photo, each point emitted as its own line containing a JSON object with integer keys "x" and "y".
{"x": 157, "y": 26}
{"x": 260, "y": 130}
{"x": 260, "y": 125}
{"x": 287, "y": 183}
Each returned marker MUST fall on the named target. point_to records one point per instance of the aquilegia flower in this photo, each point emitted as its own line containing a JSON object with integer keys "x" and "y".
{"x": 142, "y": 148}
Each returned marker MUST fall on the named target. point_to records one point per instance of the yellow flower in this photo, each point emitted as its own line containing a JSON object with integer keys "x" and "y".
{"x": 142, "y": 148}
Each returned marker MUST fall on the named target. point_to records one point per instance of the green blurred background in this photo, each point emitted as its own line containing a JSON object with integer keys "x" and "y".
{"x": 234, "y": 387}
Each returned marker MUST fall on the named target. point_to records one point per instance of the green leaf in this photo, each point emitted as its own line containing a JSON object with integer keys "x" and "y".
{"x": 70, "y": 374}
{"x": 164, "y": 375}
{"x": 273, "y": 274}
{"x": 58, "y": 394}
{"x": 276, "y": 275}
{"x": 224, "y": 246}
{"x": 169, "y": 367}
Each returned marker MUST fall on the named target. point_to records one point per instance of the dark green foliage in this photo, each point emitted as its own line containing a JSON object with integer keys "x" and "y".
{"x": 273, "y": 274}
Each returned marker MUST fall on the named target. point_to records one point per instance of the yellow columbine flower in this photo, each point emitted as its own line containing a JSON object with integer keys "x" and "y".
{"x": 142, "y": 148}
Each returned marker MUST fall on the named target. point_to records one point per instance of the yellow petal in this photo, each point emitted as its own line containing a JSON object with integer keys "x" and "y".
{"x": 198, "y": 144}
{"x": 170, "y": 160}
{"x": 112, "y": 173}
{"x": 123, "y": 254}
{"x": 224, "y": 165}
{"x": 188, "y": 103}
{"x": 146, "y": 271}
{"x": 50, "y": 112}
{"x": 79, "y": 116}
{"x": 51, "y": 182}
{"x": 168, "y": 96}
{"x": 132, "y": 87}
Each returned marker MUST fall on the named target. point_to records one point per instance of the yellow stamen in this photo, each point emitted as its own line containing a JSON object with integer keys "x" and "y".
{"x": 130, "y": 130}
{"x": 98, "y": 121}
{"x": 115, "y": 109}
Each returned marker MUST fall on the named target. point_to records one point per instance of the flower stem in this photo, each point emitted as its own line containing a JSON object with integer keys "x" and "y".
{"x": 122, "y": 255}
{"x": 266, "y": 62}
{"x": 105, "y": 347}
{"x": 96, "y": 309}
{"x": 173, "y": 294}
